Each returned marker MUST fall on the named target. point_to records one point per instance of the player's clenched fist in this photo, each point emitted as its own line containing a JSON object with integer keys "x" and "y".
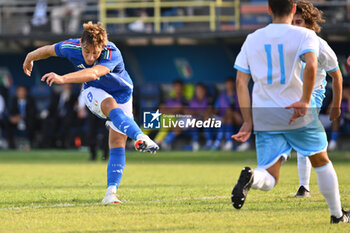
{"x": 51, "y": 78}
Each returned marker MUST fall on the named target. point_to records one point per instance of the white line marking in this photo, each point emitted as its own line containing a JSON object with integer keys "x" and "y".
{"x": 99, "y": 203}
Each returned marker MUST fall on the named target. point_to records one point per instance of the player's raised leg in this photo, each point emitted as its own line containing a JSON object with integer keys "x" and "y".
{"x": 258, "y": 178}
{"x": 272, "y": 150}
{"x": 127, "y": 125}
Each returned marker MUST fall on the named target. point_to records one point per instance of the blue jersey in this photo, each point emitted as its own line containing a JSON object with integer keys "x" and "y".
{"x": 117, "y": 83}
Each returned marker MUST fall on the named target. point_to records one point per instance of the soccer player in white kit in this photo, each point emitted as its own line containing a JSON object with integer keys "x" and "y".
{"x": 283, "y": 110}
{"x": 308, "y": 16}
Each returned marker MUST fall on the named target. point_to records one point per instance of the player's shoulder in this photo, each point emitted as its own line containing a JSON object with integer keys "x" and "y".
{"x": 71, "y": 43}
{"x": 111, "y": 46}
{"x": 70, "y": 47}
{"x": 303, "y": 33}
{"x": 323, "y": 43}
{"x": 326, "y": 52}
{"x": 256, "y": 34}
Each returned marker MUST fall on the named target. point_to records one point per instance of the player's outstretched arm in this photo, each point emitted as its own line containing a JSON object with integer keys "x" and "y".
{"x": 300, "y": 107}
{"x": 38, "y": 54}
{"x": 242, "y": 82}
{"x": 80, "y": 76}
{"x": 337, "y": 86}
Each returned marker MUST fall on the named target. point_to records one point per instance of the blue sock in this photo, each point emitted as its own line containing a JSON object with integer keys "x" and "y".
{"x": 124, "y": 123}
{"x": 228, "y": 132}
{"x": 115, "y": 166}
{"x": 220, "y": 135}
{"x": 207, "y": 134}
{"x": 195, "y": 135}
{"x": 334, "y": 136}
{"x": 170, "y": 138}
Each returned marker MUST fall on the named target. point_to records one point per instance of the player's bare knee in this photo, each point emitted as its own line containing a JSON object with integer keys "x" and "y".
{"x": 319, "y": 159}
{"x": 108, "y": 105}
{"x": 116, "y": 140}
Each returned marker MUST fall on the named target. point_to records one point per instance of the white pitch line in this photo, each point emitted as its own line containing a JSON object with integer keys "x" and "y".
{"x": 99, "y": 203}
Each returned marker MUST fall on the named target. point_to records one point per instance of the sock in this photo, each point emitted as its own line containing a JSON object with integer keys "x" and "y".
{"x": 207, "y": 134}
{"x": 124, "y": 123}
{"x": 334, "y": 136}
{"x": 304, "y": 170}
{"x": 111, "y": 189}
{"x": 115, "y": 167}
{"x": 328, "y": 185}
{"x": 228, "y": 132}
{"x": 195, "y": 135}
{"x": 263, "y": 180}
{"x": 219, "y": 137}
{"x": 170, "y": 138}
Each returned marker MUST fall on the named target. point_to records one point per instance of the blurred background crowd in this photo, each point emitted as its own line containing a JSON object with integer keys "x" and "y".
{"x": 178, "y": 53}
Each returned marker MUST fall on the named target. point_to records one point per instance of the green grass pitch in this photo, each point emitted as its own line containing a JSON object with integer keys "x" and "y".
{"x": 61, "y": 191}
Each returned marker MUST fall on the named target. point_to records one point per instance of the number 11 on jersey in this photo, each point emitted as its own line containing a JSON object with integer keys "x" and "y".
{"x": 269, "y": 63}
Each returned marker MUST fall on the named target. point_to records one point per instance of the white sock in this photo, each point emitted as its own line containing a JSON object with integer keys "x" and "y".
{"x": 263, "y": 180}
{"x": 304, "y": 170}
{"x": 111, "y": 189}
{"x": 328, "y": 185}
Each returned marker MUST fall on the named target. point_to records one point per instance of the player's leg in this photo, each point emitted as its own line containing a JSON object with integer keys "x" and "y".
{"x": 127, "y": 125}
{"x": 328, "y": 185}
{"x": 103, "y": 104}
{"x": 312, "y": 141}
{"x": 304, "y": 165}
{"x": 115, "y": 166}
{"x": 304, "y": 171}
{"x": 124, "y": 123}
{"x": 272, "y": 151}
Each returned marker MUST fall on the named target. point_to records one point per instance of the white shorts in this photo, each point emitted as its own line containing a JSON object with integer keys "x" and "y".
{"x": 93, "y": 98}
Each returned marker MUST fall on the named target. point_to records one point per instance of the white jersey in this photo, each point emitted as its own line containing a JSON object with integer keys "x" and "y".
{"x": 273, "y": 57}
{"x": 327, "y": 63}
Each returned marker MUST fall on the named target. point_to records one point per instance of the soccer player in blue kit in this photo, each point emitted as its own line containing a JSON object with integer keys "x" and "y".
{"x": 107, "y": 92}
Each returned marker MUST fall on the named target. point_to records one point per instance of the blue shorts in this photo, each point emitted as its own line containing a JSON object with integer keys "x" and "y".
{"x": 272, "y": 145}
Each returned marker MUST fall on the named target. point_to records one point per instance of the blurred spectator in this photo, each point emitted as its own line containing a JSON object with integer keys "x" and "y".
{"x": 97, "y": 133}
{"x": 227, "y": 108}
{"x": 342, "y": 123}
{"x": 139, "y": 25}
{"x": 39, "y": 17}
{"x": 97, "y": 137}
{"x": 200, "y": 107}
{"x": 22, "y": 113}
{"x": 348, "y": 10}
{"x": 2, "y": 122}
{"x": 62, "y": 118}
{"x": 168, "y": 12}
{"x": 174, "y": 105}
{"x": 5, "y": 82}
{"x": 72, "y": 9}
